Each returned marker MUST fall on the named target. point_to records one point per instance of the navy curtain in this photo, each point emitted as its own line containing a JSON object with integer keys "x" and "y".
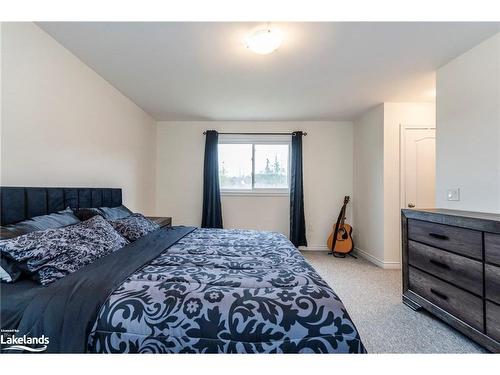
{"x": 212, "y": 212}
{"x": 297, "y": 220}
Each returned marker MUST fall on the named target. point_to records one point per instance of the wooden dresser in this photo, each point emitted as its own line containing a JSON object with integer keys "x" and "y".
{"x": 451, "y": 268}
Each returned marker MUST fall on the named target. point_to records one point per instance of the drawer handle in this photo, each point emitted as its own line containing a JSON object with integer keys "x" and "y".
{"x": 439, "y": 264}
{"x": 438, "y": 294}
{"x": 439, "y": 236}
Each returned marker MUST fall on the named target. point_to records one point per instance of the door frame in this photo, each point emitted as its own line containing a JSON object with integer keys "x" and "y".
{"x": 402, "y": 158}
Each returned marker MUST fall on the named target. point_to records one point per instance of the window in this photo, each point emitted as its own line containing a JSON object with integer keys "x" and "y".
{"x": 271, "y": 166}
{"x": 259, "y": 164}
{"x": 235, "y": 166}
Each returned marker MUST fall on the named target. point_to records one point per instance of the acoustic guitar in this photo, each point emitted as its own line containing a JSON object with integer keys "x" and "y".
{"x": 340, "y": 240}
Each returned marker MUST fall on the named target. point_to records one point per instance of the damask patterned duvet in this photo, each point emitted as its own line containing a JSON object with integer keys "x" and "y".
{"x": 225, "y": 291}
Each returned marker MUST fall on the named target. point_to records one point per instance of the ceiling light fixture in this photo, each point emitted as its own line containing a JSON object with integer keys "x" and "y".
{"x": 264, "y": 41}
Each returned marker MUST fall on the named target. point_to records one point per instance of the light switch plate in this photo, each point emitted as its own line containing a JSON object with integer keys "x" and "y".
{"x": 453, "y": 194}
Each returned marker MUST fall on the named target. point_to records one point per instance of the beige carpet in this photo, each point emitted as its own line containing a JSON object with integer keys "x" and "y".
{"x": 372, "y": 297}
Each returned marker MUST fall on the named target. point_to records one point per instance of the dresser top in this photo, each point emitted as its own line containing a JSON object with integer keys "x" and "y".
{"x": 488, "y": 222}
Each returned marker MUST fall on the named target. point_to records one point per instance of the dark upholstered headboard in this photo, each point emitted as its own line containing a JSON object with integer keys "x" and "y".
{"x": 21, "y": 203}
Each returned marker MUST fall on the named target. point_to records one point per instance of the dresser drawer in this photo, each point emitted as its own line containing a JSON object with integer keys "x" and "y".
{"x": 492, "y": 248}
{"x": 459, "y": 240}
{"x": 492, "y": 282}
{"x": 493, "y": 320}
{"x": 457, "y": 302}
{"x": 456, "y": 269}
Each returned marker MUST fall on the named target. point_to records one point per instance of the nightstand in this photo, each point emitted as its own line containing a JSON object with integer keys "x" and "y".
{"x": 161, "y": 221}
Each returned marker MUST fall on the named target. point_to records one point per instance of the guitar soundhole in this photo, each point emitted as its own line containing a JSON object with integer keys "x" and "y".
{"x": 342, "y": 234}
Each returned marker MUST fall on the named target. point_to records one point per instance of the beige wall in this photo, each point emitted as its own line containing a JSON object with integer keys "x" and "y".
{"x": 64, "y": 125}
{"x": 468, "y": 129}
{"x": 327, "y": 177}
{"x": 368, "y": 197}
{"x": 376, "y": 178}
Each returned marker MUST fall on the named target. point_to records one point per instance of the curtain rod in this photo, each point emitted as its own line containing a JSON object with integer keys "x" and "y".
{"x": 303, "y": 133}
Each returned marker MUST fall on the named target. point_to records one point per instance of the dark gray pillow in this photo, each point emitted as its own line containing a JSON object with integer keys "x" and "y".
{"x": 134, "y": 226}
{"x": 56, "y": 220}
{"x": 10, "y": 231}
{"x": 115, "y": 213}
{"x": 49, "y": 255}
{"x": 86, "y": 213}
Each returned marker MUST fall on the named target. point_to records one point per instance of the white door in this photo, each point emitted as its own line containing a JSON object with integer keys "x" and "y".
{"x": 418, "y": 167}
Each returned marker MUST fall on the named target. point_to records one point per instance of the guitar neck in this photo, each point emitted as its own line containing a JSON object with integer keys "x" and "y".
{"x": 343, "y": 215}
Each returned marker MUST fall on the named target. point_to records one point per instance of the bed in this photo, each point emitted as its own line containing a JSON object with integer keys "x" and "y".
{"x": 180, "y": 290}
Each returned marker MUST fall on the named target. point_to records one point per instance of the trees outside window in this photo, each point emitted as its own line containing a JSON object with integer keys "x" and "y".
{"x": 254, "y": 166}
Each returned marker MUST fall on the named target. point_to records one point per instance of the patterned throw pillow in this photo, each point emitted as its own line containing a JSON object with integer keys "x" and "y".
{"x": 49, "y": 255}
{"x": 134, "y": 226}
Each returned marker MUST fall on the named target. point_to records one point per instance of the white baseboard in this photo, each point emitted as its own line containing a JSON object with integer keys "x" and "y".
{"x": 361, "y": 253}
{"x": 314, "y": 248}
{"x": 376, "y": 261}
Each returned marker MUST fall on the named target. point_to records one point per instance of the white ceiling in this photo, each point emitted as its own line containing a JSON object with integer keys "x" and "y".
{"x": 323, "y": 71}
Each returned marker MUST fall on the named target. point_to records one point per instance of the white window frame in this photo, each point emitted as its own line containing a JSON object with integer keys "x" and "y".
{"x": 263, "y": 139}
